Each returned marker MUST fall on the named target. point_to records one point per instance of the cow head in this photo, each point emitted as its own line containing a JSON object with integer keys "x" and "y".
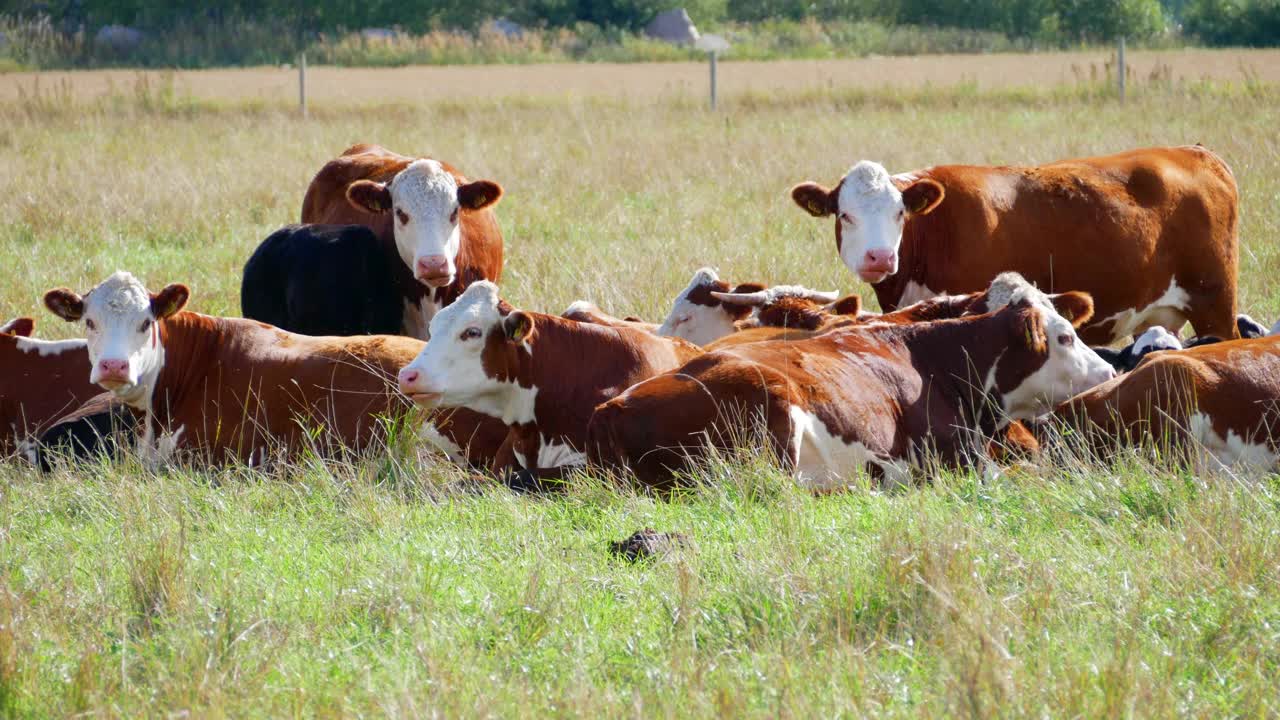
{"x": 426, "y": 204}
{"x": 870, "y": 208}
{"x": 698, "y": 316}
{"x": 121, "y": 325}
{"x": 1045, "y": 361}
{"x": 789, "y": 306}
{"x": 472, "y": 359}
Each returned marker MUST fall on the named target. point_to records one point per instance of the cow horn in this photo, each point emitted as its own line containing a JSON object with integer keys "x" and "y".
{"x": 757, "y": 298}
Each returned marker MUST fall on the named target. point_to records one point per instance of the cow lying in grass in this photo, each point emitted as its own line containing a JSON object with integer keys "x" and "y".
{"x": 42, "y": 381}
{"x": 879, "y": 396}
{"x": 229, "y": 389}
{"x": 541, "y": 375}
{"x": 1222, "y": 399}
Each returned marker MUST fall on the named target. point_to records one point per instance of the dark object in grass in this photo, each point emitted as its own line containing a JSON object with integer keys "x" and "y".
{"x": 648, "y": 543}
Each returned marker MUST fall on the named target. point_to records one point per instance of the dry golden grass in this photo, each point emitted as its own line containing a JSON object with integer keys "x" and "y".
{"x": 421, "y": 84}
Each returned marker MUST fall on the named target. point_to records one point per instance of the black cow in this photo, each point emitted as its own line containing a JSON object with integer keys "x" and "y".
{"x": 323, "y": 280}
{"x": 102, "y": 427}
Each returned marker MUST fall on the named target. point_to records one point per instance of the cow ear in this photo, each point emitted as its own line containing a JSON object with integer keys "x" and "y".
{"x": 1031, "y": 323}
{"x": 518, "y": 326}
{"x": 922, "y": 196}
{"x": 19, "y": 327}
{"x": 816, "y": 200}
{"x": 479, "y": 195}
{"x": 169, "y": 300}
{"x": 850, "y": 305}
{"x": 65, "y": 304}
{"x": 1075, "y": 306}
{"x": 369, "y": 196}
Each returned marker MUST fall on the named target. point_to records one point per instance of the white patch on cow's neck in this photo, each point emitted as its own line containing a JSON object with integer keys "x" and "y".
{"x": 50, "y": 347}
{"x": 1169, "y": 311}
{"x": 509, "y": 402}
{"x": 428, "y": 433}
{"x": 916, "y": 292}
{"x": 418, "y": 315}
{"x": 557, "y": 454}
{"x": 1233, "y": 451}
{"x": 824, "y": 461}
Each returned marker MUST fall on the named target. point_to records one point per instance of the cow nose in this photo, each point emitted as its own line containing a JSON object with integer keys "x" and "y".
{"x": 432, "y": 267}
{"x": 408, "y": 378}
{"x": 878, "y": 258}
{"x": 113, "y": 368}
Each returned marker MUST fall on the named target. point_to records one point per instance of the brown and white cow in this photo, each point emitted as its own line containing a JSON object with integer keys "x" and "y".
{"x": 229, "y": 389}
{"x": 709, "y": 308}
{"x": 424, "y": 211}
{"x": 1150, "y": 234}
{"x": 1222, "y": 399}
{"x": 40, "y": 381}
{"x": 542, "y": 375}
{"x": 883, "y": 396}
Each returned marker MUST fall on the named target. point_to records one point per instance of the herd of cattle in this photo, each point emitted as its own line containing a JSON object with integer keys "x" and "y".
{"x": 993, "y": 283}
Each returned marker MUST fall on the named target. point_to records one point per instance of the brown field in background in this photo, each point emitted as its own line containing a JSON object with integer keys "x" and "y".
{"x": 425, "y": 83}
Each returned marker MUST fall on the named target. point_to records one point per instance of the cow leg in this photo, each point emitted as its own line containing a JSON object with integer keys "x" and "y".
{"x": 1212, "y": 309}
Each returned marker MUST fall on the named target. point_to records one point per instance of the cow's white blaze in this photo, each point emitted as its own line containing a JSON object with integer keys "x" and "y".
{"x": 449, "y": 371}
{"x": 825, "y": 461}
{"x": 120, "y": 327}
{"x": 426, "y": 211}
{"x": 1071, "y": 366}
{"x": 1168, "y": 311}
{"x": 871, "y": 215}
{"x": 695, "y": 322}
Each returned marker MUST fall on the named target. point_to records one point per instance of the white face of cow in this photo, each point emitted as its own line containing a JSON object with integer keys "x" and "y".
{"x": 871, "y": 209}
{"x": 1071, "y": 366}
{"x": 695, "y": 315}
{"x": 1155, "y": 338}
{"x": 426, "y": 204}
{"x": 450, "y": 370}
{"x": 120, "y": 321}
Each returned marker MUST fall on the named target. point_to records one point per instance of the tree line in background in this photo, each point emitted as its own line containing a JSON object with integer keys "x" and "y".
{"x": 61, "y": 32}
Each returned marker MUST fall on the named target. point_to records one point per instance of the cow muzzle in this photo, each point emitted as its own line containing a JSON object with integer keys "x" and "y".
{"x": 877, "y": 265}
{"x": 113, "y": 374}
{"x": 433, "y": 271}
{"x": 413, "y": 385}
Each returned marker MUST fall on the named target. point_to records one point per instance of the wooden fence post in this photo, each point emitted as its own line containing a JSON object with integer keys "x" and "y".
{"x": 1120, "y": 66}
{"x": 302, "y": 83}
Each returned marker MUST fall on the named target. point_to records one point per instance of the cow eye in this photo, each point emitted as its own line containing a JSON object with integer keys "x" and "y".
{"x": 471, "y": 333}
{"x": 145, "y": 326}
{"x": 402, "y": 216}
{"x": 902, "y": 215}
{"x": 453, "y": 218}
{"x": 90, "y": 324}
{"x": 1065, "y": 339}
{"x": 846, "y": 218}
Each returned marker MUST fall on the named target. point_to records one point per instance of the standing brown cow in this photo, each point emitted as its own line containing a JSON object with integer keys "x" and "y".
{"x": 425, "y": 212}
{"x": 1150, "y": 234}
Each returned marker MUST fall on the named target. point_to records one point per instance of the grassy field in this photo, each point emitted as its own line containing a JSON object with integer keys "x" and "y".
{"x": 405, "y": 588}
